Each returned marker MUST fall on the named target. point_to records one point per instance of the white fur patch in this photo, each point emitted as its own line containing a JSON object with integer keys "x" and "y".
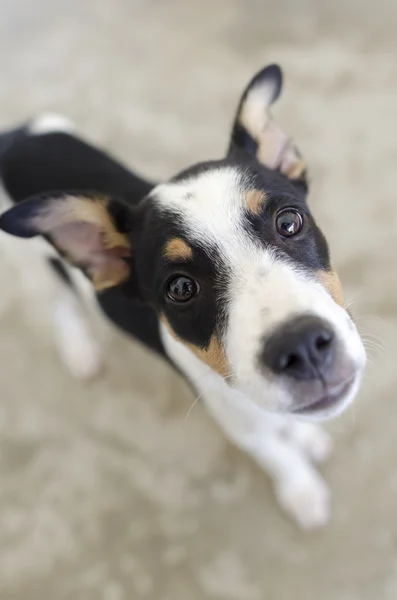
{"x": 211, "y": 206}
{"x": 51, "y": 123}
{"x": 78, "y": 348}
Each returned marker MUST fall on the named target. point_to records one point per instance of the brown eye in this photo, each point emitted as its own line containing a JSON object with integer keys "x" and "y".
{"x": 289, "y": 222}
{"x": 181, "y": 288}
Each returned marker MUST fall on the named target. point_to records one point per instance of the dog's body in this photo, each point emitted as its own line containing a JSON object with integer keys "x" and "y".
{"x": 222, "y": 271}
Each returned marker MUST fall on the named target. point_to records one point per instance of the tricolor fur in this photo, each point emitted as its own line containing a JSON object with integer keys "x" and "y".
{"x": 222, "y": 269}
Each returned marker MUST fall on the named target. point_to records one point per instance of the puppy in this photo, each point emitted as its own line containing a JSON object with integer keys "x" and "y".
{"x": 222, "y": 270}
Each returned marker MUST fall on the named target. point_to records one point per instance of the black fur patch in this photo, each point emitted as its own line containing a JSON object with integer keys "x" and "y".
{"x": 242, "y": 140}
{"x": 58, "y": 162}
{"x": 198, "y": 320}
{"x": 308, "y": 249}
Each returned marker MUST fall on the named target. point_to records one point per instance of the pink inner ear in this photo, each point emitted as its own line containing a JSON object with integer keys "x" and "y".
{"x": 84, "y": 244}
{"x": 79, "y": 240}
{"x": 277, "y": 151}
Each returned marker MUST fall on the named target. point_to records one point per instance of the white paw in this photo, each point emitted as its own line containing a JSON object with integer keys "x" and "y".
{"x": 78, "y": 349}
{"x": 82, "y": 358}
{"x": 315, "y": 442}
{"x": 307, "y": 502}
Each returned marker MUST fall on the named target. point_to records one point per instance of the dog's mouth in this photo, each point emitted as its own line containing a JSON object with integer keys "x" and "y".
{"x": 333, "y": 398}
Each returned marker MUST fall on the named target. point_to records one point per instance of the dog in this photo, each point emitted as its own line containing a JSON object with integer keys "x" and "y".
{"x": 222, "y": 270}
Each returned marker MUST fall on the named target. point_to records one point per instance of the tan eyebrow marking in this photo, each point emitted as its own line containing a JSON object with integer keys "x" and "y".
{"x": 214, "y": 356}
{"x": 178, "y": 249}
{"x": 254, "y": 200}
{"x": 332, "y": 282}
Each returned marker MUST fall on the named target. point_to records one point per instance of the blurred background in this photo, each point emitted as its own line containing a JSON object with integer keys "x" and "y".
{"x": 107, "y": 491}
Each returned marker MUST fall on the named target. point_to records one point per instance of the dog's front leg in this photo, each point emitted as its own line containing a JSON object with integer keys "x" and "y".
{"x": 276, "y": 445}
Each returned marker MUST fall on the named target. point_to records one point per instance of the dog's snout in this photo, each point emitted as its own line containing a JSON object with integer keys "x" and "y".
{"x": 302, "y": 349}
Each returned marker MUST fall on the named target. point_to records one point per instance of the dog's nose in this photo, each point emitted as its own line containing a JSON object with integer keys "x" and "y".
{"x": 301, "y": 349}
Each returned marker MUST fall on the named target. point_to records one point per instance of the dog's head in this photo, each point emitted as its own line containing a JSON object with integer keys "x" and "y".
{"x": 230, "y": 257}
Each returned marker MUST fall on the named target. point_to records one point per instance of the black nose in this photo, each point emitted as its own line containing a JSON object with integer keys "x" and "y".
{"x": 302, "y": 348}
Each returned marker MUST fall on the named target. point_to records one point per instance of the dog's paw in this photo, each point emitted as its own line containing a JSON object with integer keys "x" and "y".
{"x": 307, "y": 502}
{"x": 82, "y": 358}
{"x": 314, "y": 441}
{"x": 78, "y": 349}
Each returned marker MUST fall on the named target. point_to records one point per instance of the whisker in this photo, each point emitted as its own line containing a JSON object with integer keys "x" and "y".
{"x": 370, "y": 345}
{"x": 192, "y": 406}
{"x": 379, "y": 345}
{"x": 372, "y": 337}
{"x": 210, "y": 372}
{"x": 375, "y": 318}
{"x": 373, "y": 344}
{"x": 350, "y": 303}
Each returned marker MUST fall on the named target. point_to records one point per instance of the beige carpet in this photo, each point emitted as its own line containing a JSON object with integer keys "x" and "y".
{"x": 107, "y": 492}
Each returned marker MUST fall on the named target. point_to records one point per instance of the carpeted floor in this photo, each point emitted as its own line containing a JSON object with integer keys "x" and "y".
{"x": 107, "y": 491}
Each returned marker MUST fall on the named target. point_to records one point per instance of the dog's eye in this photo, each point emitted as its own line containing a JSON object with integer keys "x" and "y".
{"x": 289, "y": 222}
{"x": 181, "y": 289}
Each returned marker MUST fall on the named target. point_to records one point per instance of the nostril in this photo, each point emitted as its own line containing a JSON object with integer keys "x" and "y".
{"x": 290, "y": 361}
{"x": 323, "y": 340}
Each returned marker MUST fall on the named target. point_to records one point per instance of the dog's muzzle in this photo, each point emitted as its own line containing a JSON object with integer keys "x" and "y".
{"x": 310, "y": 359}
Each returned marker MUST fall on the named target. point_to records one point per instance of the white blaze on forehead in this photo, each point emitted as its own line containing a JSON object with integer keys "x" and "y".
{"x": 211, "y": 207}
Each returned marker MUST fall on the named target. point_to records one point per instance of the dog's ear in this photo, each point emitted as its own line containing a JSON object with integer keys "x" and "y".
{"x": 89, "y": 231}
{"x": 255, "y": 131}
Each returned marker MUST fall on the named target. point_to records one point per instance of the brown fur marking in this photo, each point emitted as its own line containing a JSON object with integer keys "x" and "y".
{"x": 254, "y": 200}
{"x": 297, "y": 169}
{"x": 177, "y": 249}
{"x": 332, "y": 282}
{"x": 72, "y": 209}
{"x": 96, "y": 243}
{"x": 214, "y": 355}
